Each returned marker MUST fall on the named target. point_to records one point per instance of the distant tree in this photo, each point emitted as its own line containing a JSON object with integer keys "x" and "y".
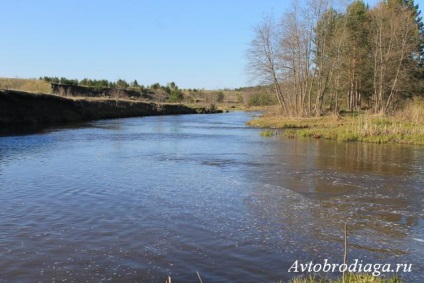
{"x": 66, "y": 81}
{"x": 104, "y": 83}
{"x": 84, "y": 82}
{"x": 122, "y": 84}
{"x": 155, "y": 86}
{"x": 166, "y": 89}
{"x": 47, "y": 79}
{"x": 135, "y": 84}
{"x": 172, "y": 85}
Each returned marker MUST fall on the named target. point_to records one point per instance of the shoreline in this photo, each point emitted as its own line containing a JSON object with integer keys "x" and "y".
{"x": 361, "y": 127}
{"x": 19, "y": 109}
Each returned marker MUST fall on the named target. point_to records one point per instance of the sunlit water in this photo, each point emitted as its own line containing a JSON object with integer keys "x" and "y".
{"x": 136, "y": 200}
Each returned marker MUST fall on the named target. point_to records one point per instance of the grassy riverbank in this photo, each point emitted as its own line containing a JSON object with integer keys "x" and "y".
{"x": 406, "y": 126}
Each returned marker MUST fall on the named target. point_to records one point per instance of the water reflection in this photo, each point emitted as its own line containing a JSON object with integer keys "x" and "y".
{"x": 377, "y": 189}
{"x": 140, "y": 199}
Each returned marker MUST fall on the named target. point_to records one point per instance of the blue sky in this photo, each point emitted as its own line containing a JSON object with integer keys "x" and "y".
{"x": 196, "y": 44}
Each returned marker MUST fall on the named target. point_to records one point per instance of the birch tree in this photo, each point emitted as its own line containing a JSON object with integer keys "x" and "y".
{"x": 281, "y": 55}
{"x": 263, "y": 61}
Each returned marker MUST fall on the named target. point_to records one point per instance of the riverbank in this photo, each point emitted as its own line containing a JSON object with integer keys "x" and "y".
{"x": 18, "y": 108}
{"x": 405, "y": 127}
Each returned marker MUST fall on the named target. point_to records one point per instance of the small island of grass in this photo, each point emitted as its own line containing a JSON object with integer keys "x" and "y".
{"x": 405, "y": 126}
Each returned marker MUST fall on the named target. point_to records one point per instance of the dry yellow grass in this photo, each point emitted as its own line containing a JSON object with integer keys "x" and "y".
{"x": 29, "y": 85}
{"x": 406, "y": 126}
{"x": 278, "y": 121}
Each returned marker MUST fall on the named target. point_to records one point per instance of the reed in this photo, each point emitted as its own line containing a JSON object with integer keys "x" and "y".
{"x": 405, "y": 126}
{"x": 268, "y": 133}
{"x": 169, "y": 279}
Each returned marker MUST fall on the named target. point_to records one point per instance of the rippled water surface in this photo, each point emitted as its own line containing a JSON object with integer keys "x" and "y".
{"x": 136, "y": 200}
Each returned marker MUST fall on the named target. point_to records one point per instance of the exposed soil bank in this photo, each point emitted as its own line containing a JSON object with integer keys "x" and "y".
{"x": 19, "y": 108}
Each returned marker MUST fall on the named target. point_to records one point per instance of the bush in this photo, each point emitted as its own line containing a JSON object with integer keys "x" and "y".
{"x": 220, "y": 96}
{"x": 262, "y": 99}
{"x": 175, "y": 96}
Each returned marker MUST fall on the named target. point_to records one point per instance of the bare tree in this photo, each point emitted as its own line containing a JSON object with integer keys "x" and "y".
{"x": 315, "y": 52}
{"x": 299, "y": 53}
{"x": 294, "y": 53}
{"x": 282, "y": 55}
{"x": 263, "y": 62}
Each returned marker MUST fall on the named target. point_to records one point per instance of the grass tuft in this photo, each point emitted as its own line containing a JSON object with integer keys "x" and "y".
{"x": 276, "y": 132}
{"x": 268, "y": 133}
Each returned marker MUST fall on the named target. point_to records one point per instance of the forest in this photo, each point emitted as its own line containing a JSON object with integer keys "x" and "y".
{"x": 322, "y": 57}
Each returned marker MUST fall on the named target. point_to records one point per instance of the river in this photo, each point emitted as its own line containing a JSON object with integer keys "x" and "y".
{"x": 141, "y": 199}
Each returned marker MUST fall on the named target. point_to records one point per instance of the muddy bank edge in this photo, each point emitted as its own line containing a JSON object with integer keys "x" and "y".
{"x": 19, "y": 108}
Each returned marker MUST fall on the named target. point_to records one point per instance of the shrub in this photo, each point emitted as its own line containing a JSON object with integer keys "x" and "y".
{"x": 175, "y": 96}
{"x": 261, "y": 99}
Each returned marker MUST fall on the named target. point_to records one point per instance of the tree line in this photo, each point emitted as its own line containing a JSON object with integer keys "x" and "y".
{"x": 320, "y": 57}
{"x": 102, "y": 83}
{"x": 171, "y": 89}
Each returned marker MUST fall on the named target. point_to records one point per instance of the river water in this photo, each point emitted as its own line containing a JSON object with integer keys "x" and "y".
{"x": 141, "y": 199}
